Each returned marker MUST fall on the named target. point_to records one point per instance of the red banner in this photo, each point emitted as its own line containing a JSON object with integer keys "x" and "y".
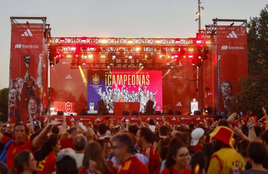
{"x": 232, "y": 62}
{"x": 26, "y": 72}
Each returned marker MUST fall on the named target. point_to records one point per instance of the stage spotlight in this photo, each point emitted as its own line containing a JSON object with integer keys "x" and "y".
{"x": 113, "y": 57}
{"x": 193, "y": 62}
{"x": 104, "y": 41}
{"x": 69, "y": 56}
{"x": 138, "y": 49}
{"x": 158, "y": 41}
{"x": 103, "y": 56}
{"x": 190, "y": 49}
{"x": 52, "y": 63}
{"x": 130, "y": 57}
{"x": 90, "y": 56}
{"x": 130, "y": 41}
{"x": 190, "y": 56}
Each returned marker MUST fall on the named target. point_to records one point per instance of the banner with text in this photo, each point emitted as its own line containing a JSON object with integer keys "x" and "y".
{"x": 25, "y": 101}
{"x": 232, "y": 62}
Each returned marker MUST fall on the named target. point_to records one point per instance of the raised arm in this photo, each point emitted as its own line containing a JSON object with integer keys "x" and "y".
{"x": 37, "y": 141}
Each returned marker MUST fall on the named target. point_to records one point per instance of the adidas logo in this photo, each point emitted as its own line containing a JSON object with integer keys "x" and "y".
{"x": 123, "y": 119}
{"x": 148, "y": 119}
{"x": 27, "y": 33}
{"x": 232, "y": 35}
{"x": 179, "y": 104}
{"x": 72, "y": 119}
{"x": 198, "y": 118}
{"x": 68, "y": 77}
{"x": 98, "y": 119}
{"x": 18, "y": 46}
{"x": 173, "y": 119}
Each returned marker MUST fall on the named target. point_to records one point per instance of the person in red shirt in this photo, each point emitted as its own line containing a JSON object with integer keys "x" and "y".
{"x": 177, "y": 159}
{"x": 20, "y": 143}
{"x": 47, "y": 160}
{"x": 124, "y": 150}
{"x": 145, "y": 140}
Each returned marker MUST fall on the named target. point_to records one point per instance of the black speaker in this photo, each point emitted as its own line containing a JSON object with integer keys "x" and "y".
{"x": 102, "y": 110}
{"x": 60, "y": 113}
{"x": 178, "y": 112}
{"x": 149, "y": 110}
{"x": 170, "y": 112}
{"x": 125, "y": 113}
{"x": 134, "y": 113}
{"x": 197, "y": 112}
{"x": 83, "y": 112}
{"x": 157, "y": 112}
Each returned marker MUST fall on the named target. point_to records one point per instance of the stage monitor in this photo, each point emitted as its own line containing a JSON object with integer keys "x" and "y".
{"x": 178, "y": 112}
{"x": 60, "y": 113}
{"x": 135, "y": 113}
{"x": 157, "y": 113}
{"x": 125, "y": 113}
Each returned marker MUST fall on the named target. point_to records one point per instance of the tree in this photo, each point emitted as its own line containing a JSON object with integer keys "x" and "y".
{"x": 4, "y": 104}
{"x": 258, "y": 43}
{"x": 254, "y": 91}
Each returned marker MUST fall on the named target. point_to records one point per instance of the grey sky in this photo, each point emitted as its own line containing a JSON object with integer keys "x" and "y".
{"x": 119, "y": 18}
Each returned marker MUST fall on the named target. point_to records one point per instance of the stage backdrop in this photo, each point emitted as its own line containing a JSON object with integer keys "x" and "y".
{"x": 26, "y": 73}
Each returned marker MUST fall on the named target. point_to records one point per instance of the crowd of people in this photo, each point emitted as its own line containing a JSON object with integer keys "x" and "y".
{"x": 237, "y": 144}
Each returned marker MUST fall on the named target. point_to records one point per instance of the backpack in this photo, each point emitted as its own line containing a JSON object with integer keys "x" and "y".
{"x": 3, "y": 155}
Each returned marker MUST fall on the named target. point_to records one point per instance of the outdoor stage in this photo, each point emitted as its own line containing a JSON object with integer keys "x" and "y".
{"x": 93, "y": 73}
{"x": 187, "y": 119}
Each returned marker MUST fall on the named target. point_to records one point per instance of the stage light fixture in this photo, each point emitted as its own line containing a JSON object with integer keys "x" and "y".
{"x": 104, "y": 41}
{"x": 69, "y": 56}
{"x": 158, "y": 41}
{"x": 190, "y": 56}
{"x": 130, "y": 41}
{"x": 190, "y": 49}
{"x": 103, "y": 56}
{"x": 208, "y": 42}
{"x": 113, "y": 57}
{"x": 90, "y": 56}
{"x": 130, "y": 57}
{"x": 193, "y": 62}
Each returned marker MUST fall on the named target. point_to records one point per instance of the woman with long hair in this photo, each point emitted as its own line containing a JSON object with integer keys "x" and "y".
{"x": 47, "y": 158}
{"x": 24, "y": 163}
{"x": 93, "y": 155}
{"x": 107, "y": 148}
{"x": 177, "y": 159}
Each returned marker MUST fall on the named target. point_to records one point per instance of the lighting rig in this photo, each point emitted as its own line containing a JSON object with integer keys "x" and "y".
{"x": 127, "y": 53}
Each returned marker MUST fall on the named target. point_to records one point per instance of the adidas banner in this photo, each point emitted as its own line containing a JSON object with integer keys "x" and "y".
{"x": 26, "y": 73}
{"x": 232, "y": 62}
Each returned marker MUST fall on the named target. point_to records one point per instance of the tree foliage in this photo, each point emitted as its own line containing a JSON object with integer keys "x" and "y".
{"x": 254, "y": 88}
{"x": 4, "y": 104}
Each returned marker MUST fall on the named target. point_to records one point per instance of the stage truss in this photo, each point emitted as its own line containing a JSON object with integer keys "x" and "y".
{"x": 128, "y": 53}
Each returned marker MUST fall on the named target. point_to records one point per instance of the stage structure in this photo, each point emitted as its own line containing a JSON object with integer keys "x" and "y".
{"x": 167, "y": 72}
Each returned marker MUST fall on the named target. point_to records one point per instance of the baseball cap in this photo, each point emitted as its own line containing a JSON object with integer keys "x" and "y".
{"x": 68, "y": 152}
{"x": 196, "y": 135}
